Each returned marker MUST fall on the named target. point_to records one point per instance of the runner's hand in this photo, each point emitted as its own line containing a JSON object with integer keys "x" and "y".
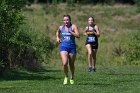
{"x": 89, "y": 33}
{"x": 58, "y": 40}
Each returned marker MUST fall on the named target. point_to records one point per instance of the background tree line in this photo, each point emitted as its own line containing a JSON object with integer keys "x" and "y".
{"x": 85, "y": 1}
{"x": 72, "y": 2}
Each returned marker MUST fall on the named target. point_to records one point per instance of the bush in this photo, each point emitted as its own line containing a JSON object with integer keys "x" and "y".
{"x": 20, "y": 45}
{"x": 133, "y": 51}
{"x": 128, "y": 51}
{"x": 10, "y": 20}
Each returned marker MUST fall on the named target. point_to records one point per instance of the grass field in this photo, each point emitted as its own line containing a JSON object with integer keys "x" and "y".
{"x": 120, "y": 79}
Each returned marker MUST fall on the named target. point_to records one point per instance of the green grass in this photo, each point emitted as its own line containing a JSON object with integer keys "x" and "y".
{"x": 125, "y": 79}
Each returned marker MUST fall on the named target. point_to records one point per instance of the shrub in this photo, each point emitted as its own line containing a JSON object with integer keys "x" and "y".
{"x": 20, "y": 45}
{"x": 132, "y": 49}
{"x": 10, "y": 20}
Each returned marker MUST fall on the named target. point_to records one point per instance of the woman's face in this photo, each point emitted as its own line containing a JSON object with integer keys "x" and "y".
{"x": 90, "y": 21}
{"x": 66, "y": 21}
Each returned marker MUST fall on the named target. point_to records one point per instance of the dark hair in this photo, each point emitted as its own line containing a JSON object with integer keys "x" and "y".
{"x": 91, "y": 17}
{"x": 67, "y": 16}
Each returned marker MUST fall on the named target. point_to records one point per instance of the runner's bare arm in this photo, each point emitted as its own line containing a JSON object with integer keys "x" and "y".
{"x": 75, "y": 31}
{"x": 97, "y": 33}
{"x": 85, "y": 33}
{"x": 58, "y": 35}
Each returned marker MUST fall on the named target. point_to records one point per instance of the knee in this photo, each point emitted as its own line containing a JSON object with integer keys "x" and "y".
{"x": 65, "y": 63}
{"x": 89, "y": 53}
{"x": 72, "y": 66}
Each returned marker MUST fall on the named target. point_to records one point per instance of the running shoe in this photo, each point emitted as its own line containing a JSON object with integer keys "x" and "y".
{"x": 71, "y": 81}
{"x": 94, "y": 69}
{"x": 65, "y": 81}
{"x": 89, "y": 69}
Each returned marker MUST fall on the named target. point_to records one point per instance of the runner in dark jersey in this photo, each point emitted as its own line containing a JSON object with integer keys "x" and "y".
{"x": 92, "y": 32}
{"x": 68, "y": 32}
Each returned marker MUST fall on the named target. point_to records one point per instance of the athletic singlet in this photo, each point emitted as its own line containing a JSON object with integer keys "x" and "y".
{"x": 68, "y": 40}
{"x": 92, "y": 38}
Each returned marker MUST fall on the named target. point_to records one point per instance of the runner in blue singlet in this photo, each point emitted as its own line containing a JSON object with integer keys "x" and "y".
{"x": 92, "y": 32}
{"x": 68, "y": 32}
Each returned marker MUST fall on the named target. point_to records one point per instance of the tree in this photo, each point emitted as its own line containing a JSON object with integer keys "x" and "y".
{"x": 10, "y": 21}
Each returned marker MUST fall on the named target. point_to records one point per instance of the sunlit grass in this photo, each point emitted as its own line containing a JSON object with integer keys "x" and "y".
{"x": 107, "y": 79}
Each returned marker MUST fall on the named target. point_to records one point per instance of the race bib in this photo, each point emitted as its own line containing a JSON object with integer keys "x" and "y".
{"x": 91, "y": 39}
{"x": 66, "y": 38}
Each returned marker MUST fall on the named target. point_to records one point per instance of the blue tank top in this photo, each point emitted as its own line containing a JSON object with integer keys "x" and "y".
{"x": 68, "y": 40}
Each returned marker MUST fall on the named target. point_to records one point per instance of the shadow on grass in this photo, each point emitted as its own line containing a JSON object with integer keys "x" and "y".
{"x": 95, "y": 84}
{"x": 28, "y": 75}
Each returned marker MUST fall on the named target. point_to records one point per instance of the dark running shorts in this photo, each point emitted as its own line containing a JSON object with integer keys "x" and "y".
{"x": 94, "y": 45}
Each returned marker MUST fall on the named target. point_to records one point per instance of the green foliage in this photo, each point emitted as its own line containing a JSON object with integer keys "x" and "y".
{"x": 52, "y": 9}
{"x": 84, "y": 1}
{"x": 54, "y": 2}
{"x": 82, "y": 18}
{"x": 70, "y": 3}
{"x": 34, "y": 47}
{"x": 20, "y": 46}
{"x": 31, "y": 1}
{"x": 137, "y": 2}
{"x": 10, "y": 20}
{"x": 127, "y": 52}
{"x": 109, "y": 2}
{"x": 70, "y": 6}
{"x": 132, "y": 49}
